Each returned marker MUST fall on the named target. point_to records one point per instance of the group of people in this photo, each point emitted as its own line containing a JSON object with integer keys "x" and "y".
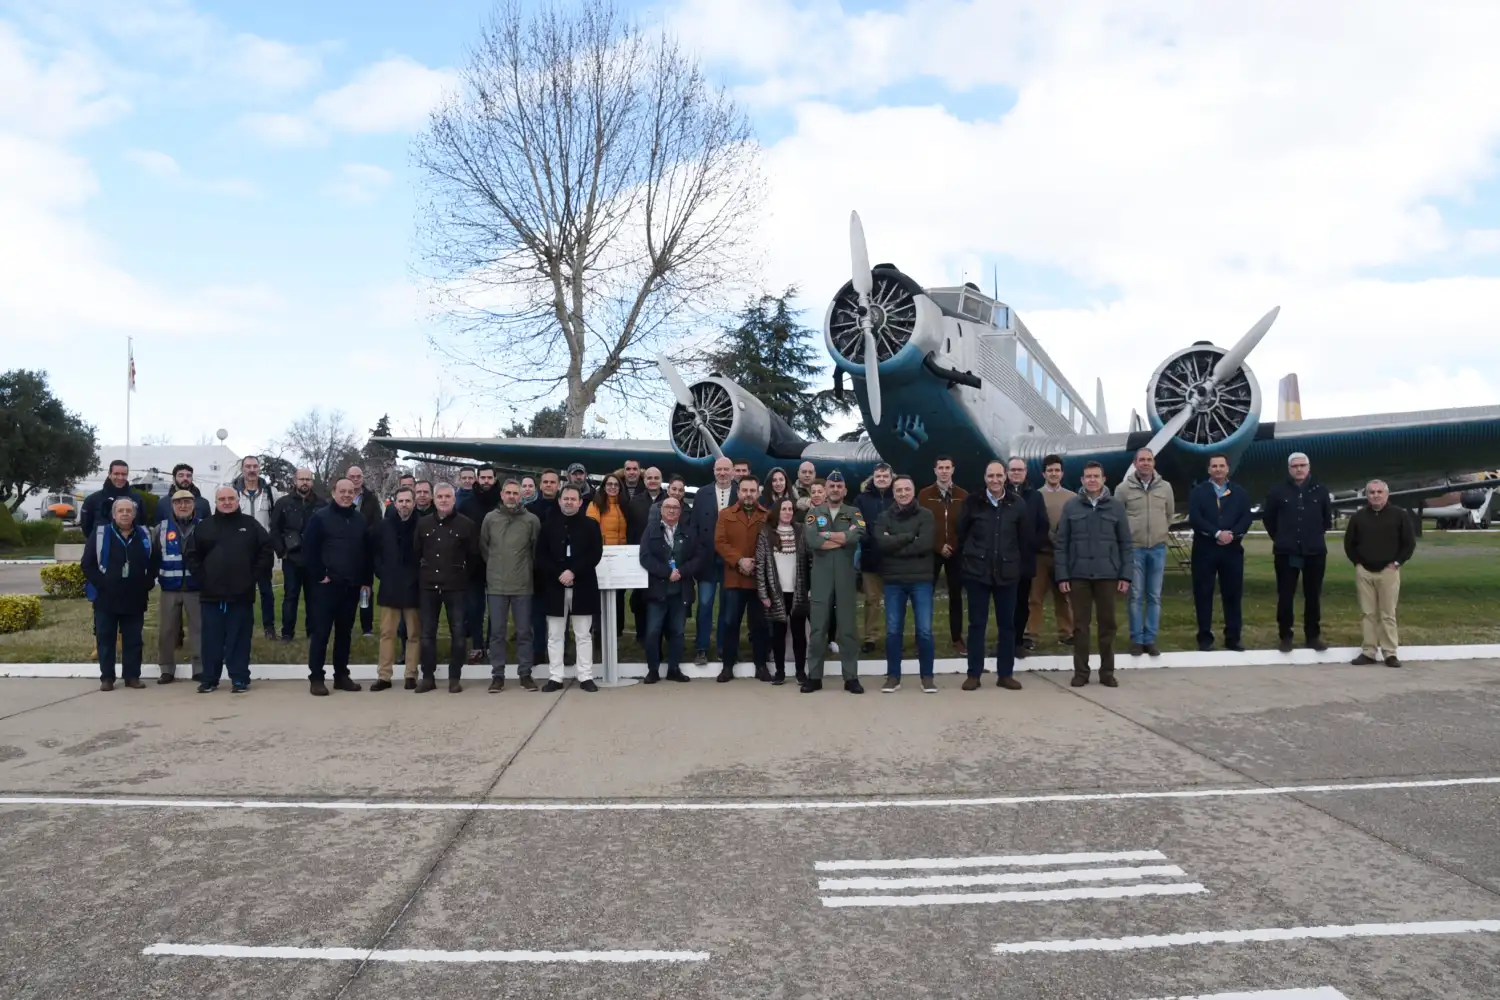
{"x": 792, "y": 554}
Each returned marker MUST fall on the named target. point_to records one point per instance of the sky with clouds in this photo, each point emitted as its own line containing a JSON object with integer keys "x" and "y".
{"x": 230, "y": 184}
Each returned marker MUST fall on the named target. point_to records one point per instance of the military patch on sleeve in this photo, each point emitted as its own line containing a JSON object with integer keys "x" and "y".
{"x": 822, "y": 521}
{"x": 809, "y": 517}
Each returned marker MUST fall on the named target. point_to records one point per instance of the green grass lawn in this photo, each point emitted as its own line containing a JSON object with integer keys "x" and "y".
{"x": 1448, "y": 596}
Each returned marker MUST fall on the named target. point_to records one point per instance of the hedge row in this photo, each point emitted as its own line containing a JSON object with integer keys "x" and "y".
{"x": 19, "y": 612}
{"x": 63, "y": 580}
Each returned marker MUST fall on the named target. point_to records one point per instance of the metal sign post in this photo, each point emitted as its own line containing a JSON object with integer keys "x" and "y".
{"x": 620, "y": 569}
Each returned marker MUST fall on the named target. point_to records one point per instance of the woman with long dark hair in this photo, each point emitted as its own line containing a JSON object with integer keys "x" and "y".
{"x": 778, "y": 485}
{"x": 781, "y": 582}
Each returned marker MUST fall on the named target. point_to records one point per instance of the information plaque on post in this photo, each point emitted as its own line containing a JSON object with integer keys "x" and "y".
{"x": 619, "y": 569}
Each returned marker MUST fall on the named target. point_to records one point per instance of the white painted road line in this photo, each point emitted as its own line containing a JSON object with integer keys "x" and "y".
{"x": 753, "y": 806}
{"x": 1001, "y": 878}
{"x": 417, "y": 956}
{"x": 1432, "y": 927}
{"x": 1019, "y": 896}
{"x": 1016, "y": 860}
{"x": 1317, "y": 993}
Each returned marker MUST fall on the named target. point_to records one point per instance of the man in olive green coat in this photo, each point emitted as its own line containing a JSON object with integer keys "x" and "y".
{"x": 507, "y": 539}
{"x": 833, "y": 532}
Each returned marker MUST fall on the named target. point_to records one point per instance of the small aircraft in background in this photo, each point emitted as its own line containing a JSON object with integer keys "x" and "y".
{"x": 953, "y": 371}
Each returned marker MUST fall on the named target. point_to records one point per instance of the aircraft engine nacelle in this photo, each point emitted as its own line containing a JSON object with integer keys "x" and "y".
{"x": 1225, "y": 414}
{"x": 906, "y": 323}
{"x": 1474, "y": 499}
{"x": 737, "y": 422}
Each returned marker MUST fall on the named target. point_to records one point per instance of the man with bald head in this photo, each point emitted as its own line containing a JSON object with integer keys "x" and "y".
{"x": 227, "y": 553}
{"x": 337, "y": 554}
{"x": 1380, "y": 540}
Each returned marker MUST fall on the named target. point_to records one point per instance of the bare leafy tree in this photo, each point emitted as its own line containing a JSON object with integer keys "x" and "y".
{"x": 590, "y": 195}
{"x": 436, "y": 425}
{"x": 324, "y": 442}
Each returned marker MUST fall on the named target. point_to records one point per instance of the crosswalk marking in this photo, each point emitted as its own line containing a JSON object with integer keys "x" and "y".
{"x": 1039, "y": 896}
{"x": 1010, "y": 860}
{"x": 1000, "y": 878}
{"x": 1014, "y": 869}
{"x": 1328, "y": 932}
{"x": 1316, "y": 993}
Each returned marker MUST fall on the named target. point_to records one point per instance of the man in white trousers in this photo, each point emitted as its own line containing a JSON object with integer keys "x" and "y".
{"x": 567, "y": 559}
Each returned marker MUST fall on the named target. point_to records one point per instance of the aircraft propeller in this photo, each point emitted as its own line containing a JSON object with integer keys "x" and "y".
{"x": 864, "y": 284}
{"x": 685, "y": 397}
{"x": 1203, "y": 393}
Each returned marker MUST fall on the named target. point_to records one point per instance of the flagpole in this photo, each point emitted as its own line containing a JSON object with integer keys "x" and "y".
{"x": 129, "y": 387}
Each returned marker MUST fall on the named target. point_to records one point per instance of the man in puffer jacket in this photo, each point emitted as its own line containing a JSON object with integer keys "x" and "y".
{"x": 1150, "y": 507}
{"x": 1298, "y": 514}
{"x": 995, "y": 531}
{"x": 1094, "y": 563}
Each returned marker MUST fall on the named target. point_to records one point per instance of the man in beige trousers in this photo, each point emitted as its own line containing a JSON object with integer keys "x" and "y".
{"x": 1380, "y": 540}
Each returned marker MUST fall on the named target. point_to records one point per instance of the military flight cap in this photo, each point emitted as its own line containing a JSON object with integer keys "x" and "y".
{"x": 834, "y": 477}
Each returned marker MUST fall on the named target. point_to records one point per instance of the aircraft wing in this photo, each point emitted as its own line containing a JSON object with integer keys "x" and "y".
{"x": 1346, "y": 452}
{"x": 597, "y": 455}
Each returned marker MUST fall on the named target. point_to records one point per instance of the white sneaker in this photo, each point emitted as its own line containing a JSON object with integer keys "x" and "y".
{"x": 833, "y": 647}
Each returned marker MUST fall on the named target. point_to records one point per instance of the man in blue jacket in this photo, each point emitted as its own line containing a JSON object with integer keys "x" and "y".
{"x": 1219, "y": 512}
{"x": 336, "y": 548}
{"x": 119, "y": 569}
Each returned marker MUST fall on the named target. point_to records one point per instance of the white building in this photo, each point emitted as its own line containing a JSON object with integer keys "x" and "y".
{"x": 214, "y": 465}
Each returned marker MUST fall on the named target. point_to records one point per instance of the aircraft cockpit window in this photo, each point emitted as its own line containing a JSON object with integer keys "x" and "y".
{"x": 1039, "y": 379}
{"x": 1001, "y": 316}
{"x": 1023, "y": 359}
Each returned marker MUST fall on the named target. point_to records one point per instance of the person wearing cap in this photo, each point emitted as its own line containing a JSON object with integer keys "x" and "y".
{"x": 833, "y": 531}
{"x": 179, "y": 588}
{"x": 578, "y": 478}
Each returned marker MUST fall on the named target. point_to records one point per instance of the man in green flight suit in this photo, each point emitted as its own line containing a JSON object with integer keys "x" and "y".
{"x": 832, "y": 532}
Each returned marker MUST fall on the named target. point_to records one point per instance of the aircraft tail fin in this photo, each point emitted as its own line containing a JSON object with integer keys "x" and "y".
{"x": 1289, "y": 399}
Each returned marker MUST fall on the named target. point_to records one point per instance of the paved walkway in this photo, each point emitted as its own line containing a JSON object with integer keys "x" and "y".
{"x": 1276, "y": 833}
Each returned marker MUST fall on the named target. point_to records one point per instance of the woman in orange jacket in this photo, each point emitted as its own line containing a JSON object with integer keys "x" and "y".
{"x": 608, "y": 508}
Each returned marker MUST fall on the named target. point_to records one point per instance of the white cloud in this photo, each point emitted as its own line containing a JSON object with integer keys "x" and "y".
{"x": 391, "y": 96}
{"x": 154, "y": 162}
{"x": 280, "y": 129}
{"x": 394, "y": 95}
{"x": 359, "y": 182}
{"x": 53, "y": 98}
{"x": 270, "y": 65}
{"x": 1183, "y": 167}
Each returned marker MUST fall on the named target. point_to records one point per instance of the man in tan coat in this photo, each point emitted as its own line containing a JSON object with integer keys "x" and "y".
{"x": 1150, "y": 507}
{"x": 734, "y": 540}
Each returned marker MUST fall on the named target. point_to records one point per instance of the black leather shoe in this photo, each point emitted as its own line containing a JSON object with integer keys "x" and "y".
{"x": 588, "y": 686}
{"x": 1363, "y": 661}
{"x": 454, "y": 685}
{"x": 1205, "y": 645}
{"x": 810, "y": 685}
{"x": 1390, "y": 661}
{"x": 1079, "y": 680}
{"x": 1236, "y": 646}
{"x": 134, "y": 682}
{"x": 427, "y": 683}
{"x": 318, "y": 688}
{"x": 106, "y": 685}
{"x": 1285, "y": 645}
{"x": 551, "y": 686}
{"x": 166, "y": 679}
{"x": 1108, "y": 680}
{"x": 411, "y": 684}
{"x": 1009, "y": 683}
{"x": 346, "y": 684}
{"x": 762, "y": 673}
{"x": 674, "y": 674}
{"x": 381, "y": 686}
{"x": 1318, "y": 646}
{"x": 854, "y": 686}
{"x": 652, "y": 677}
{"x": 725, "y": 676}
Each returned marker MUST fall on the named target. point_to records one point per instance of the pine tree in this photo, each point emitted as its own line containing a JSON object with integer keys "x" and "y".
{"x": 547, "y": 422}
{"x": 775, "y": 357}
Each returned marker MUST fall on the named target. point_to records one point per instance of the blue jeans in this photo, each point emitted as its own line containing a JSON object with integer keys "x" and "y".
{"x": 895, "y": 625}
{"x": 706, "y": 590}
{"x": 226, "y": 641}
{"x": 665, "y": 617}
{"x": 1004, "y": 598}
{"x": 733, "y": 603}
{"x": 1145, "y": 585}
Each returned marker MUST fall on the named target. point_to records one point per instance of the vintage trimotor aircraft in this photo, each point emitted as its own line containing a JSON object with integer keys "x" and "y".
{"x": 953, "y": 371}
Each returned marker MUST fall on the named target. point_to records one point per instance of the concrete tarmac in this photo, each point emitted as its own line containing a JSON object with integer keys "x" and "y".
{"x": 748, "y": 841}
{"x": 21, "y": 579}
